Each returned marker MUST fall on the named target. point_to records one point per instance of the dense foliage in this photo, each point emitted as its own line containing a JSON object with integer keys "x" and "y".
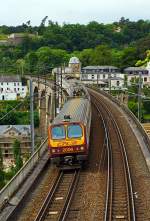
{"x": 121, "y": 44}
{"x": 19, "y": 115}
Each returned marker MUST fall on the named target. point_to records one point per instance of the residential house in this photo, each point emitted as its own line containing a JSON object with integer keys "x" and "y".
{"x": 11, "y": 88}
{"x": 103, "y": 76}
{"x": 136, "y": 72}
{"x": 8, "y": 134}
{"x": 18, "y": 38}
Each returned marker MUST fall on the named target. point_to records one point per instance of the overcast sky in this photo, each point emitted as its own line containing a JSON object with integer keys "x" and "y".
{"x": 15, "y": 12}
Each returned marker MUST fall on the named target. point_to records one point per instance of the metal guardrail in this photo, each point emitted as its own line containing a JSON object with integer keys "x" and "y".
{"x": 12, "y": 186}
{"x": 146, "y": 138}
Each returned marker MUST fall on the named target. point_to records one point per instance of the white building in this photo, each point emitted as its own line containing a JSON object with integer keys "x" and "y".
{"x": 103, "y": 76}
{"x": 134, "y": 73}
{"x": 73, "y": 69}
{"x": 11, "y": 88}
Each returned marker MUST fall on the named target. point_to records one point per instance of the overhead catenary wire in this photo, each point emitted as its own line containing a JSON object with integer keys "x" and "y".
{"x": 21, "y": 103}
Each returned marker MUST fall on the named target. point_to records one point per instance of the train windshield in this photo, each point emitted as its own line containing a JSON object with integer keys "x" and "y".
{"x": 74, "y": 131}
{"x": 58, "y": 132}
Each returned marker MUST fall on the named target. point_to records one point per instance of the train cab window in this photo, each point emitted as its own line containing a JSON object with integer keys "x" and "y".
{"x": 58, "y": 132}
{"x": 74, "y": 131}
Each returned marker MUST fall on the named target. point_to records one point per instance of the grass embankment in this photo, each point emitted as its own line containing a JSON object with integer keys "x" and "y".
{"x": 3, "y": 37}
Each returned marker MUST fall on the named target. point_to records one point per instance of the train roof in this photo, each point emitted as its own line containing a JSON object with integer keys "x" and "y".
{"x": 76, "y": 108}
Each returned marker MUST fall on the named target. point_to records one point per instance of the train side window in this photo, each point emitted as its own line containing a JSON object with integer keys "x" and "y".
{"x": 74, "y": 131}
{"x": 58, "y": 132}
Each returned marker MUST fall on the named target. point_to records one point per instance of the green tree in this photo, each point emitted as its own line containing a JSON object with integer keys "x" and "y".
{"x": 1, "y": 159}
{"x": 129, "y": 57}
{"x": 102, "y": 55}
{"x": 145, "y": 61}
{"x": 31, "y": 60}
{"x": 133, "y": 106}
{"x": 20, "y": 65}
{"x": 86, "y": 56}
{"x": 2, "y": 175}
{"x": 17, "y": 155}
{"x": 146, "y": 106}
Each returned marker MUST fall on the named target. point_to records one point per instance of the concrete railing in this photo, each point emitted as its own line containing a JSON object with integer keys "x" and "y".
{"x": 12, "y": 186}
{"x": 139, "y": 125}
{"x": 146, "y": 138}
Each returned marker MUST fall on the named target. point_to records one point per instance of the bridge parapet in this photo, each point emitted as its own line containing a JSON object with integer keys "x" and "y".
{"x": 7, "y": 192}
{"x": 145, "y": 137}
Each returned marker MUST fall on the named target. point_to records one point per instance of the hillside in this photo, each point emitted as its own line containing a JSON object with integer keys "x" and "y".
{"x": 121, "y": 44}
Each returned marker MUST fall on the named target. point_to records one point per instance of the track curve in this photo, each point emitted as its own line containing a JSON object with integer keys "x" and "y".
{"x": 119, "y": 197}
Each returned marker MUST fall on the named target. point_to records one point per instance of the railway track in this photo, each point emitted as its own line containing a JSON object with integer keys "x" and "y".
{"x": 119, "y": 194}
{"x": 57, "y": 203}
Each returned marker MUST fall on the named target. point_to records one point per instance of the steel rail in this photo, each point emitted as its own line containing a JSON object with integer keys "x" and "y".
{"x": 131, "y": 208}
{"x": 40, "y": 216}
{"x": 109, "y": 161}
{"x": 64, "y": 212}
{"x": 50, "y": 199}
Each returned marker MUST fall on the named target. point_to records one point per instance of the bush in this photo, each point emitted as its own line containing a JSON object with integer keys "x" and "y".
{"x": 133, "y": 107}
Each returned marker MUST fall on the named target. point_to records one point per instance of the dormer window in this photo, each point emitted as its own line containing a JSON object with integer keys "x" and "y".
{"x": 11, "y": 133}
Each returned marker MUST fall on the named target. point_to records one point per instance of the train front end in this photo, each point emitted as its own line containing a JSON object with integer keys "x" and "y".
{"x": 67, "y": 143}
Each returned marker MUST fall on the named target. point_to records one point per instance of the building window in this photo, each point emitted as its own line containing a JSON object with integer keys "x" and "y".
{"x": 6, "y": 153}
{"x": 3, "y": 97}
{"x": 145, "y": 79}
{"x": 18, "y": 84}
{"x": 92, "y": 76}
{"x": 118, "y": 83}
{"x": 18, "y": 89}
{"x": 7, "y": 83}
{"x": 11, "y": 133}
{"x": 26, "y": 144}
{"x": 103, "y": 76}
{"x": 15, "y": 89}
{"x": 1, "y": 83}
{"x": 22, "y": 89}
{"x": 14, "y": 84}
{"x": 6, "y": 145}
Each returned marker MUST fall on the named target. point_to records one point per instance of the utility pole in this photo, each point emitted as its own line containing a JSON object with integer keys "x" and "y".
{"x": 55, "y": 93}
{"x": 31, "y": 117}
{"x": 45, "y": 80}
{"x": 139, "y": 96}
{"x": 61, "y": 85}
{"x": 97, "y": 79}
{"x": 109, "y": 81}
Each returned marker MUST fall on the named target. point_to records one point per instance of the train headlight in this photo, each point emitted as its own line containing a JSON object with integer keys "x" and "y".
{"x": 53, "y": 151}
{"x": 81, "y": 148}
